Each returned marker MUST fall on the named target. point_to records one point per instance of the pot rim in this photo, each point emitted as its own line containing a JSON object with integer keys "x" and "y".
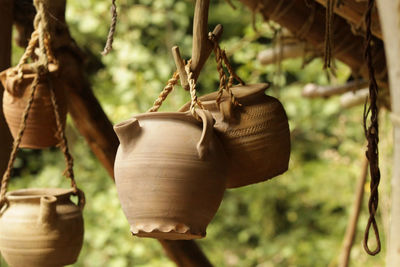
{"x": 37, "y": 193}
{"x": 239, "y": 92}
{"x": 176, "y": 115}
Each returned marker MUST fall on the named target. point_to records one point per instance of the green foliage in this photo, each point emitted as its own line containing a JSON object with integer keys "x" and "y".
{"x": 296, "y": 219}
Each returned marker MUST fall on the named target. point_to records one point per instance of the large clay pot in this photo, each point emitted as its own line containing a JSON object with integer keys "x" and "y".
{"x": 255, "y": 135}
{"x": 40, "y": 228}
{"x": 41, "y": 127}
{"x": 170, "y": 174}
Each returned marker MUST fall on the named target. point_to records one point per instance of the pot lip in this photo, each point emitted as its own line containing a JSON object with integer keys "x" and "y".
{"x": 185, "y": 116}
{"x": 37, "y": 193}
{"x": 27, "y": 70}
{"x": 240, "y": 91}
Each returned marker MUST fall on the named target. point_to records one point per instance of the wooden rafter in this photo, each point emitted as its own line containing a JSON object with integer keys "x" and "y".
{"x": 307, "y": 22}
{"x": 353, "y": 12}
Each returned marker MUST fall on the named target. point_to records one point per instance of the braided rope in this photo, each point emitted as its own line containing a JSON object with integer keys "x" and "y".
{"x": 220, "y": 56}
{"x": 17, "y": 142}
{"x": 165, "y": 92}
{"x": 372, "y": 135}
{"x": 41, "y": 27}
{"x": 194, "y": 101}
{"x": 110, "y": 37}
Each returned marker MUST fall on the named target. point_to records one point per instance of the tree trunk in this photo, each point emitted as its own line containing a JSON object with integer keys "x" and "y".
{"x": 6, "y": 15}
{"x": 390, "y": 21}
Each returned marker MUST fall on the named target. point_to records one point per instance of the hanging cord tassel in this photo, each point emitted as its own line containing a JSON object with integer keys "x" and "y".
{"x": 110, "y": 37}
{"x": 372, "y": 135}
{"x": 330, "y": 5}
{"x": 220, "y": 56}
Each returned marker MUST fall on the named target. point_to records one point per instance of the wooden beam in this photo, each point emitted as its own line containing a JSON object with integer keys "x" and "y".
{"x": 353, "y": 12}
{"x": 312, "y": 90}
{"x": 390, "y": 21}
{"x": 271, "y": 55}
{"x": 6, "y": 15}
{"x": 295, "y": 16}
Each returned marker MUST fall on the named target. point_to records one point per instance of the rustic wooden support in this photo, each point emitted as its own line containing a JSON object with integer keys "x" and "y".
{"x": 390, "y": 21}
{"x": 270, "y": 56}
{"x": 202, "y": 47}
{"x": 295, "y": 15}
{"x": 352, "y": 99}
{"x": 6, "y": 15}
{"x": 348, "y": 240}
{"x": 312, "y": 90}
{"x": 180, "y": 65}
{"x": 353, "y": 11}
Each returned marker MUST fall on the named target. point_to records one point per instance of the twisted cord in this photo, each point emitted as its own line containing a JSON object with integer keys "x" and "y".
{"x": 220, "y": 56}
{"x": 41, "y": 27}
{"x": 372, "y": 136}
{"x": 165, "y": 92}
{"x": 195, "y": 102}
{"x": 17, "y": 142}
{"x": 110, "y": 37}
{"x": 330, "y": 4}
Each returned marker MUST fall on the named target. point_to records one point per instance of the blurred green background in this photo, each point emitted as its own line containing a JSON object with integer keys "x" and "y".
{"x": 296, "y": 219}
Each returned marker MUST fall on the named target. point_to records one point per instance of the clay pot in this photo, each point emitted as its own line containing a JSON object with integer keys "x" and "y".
{"x": 41, "y": 127}
{"x": 40, "y": 228}
{"x": 170, "y": 174}
{"x": 255, "y": 135}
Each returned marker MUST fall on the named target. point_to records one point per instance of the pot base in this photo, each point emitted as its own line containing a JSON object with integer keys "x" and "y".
{"x": 169, "y": 232}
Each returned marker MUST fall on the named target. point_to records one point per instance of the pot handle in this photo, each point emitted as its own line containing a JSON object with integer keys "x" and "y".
{"x": 226, "y": 109}
{"x": 81, "y": 199}
{"x": 207, "y": 134}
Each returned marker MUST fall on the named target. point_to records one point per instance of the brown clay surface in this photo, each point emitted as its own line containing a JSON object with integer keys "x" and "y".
{"x": 41, "y": 127}
{"x": 41, "y": 228}
{"x": 170, "y": 174}
{"x": 255, "y": 136}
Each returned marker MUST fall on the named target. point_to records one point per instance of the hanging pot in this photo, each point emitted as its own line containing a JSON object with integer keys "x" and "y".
{"x": 41, "y": 228}
{"x": 255, "y": 135}
{"x": 41, "y": 127}
{"x": 169, "y": 173}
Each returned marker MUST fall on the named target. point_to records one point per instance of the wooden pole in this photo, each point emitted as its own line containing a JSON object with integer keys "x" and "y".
{"x": 6, "y": 15}
{"x": 353, "y": 219}
{"x": 390, "y": 21}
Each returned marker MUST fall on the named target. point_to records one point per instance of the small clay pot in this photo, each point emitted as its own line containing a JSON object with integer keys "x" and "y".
{"x": 41, "y": 126}
{"x": 170, "y": 174}
{"x": 41, "y": 228}
{"x": 255, "y": 135}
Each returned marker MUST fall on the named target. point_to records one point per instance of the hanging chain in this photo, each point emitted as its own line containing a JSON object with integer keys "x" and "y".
{"x": 372, "y": 135}
{"x": 220, "y": 56}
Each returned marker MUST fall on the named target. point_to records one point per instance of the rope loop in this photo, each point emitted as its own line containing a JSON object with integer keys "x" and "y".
{"x": 372, "y": 136}
{"x": 224, "y": 82}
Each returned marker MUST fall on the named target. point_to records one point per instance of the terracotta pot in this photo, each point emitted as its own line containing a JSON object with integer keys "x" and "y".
{"x": 40, "y": 228}
{"x": 169, "y": 173}
{"x": 256, "y": 135}
{"x": 41, "y": 127}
